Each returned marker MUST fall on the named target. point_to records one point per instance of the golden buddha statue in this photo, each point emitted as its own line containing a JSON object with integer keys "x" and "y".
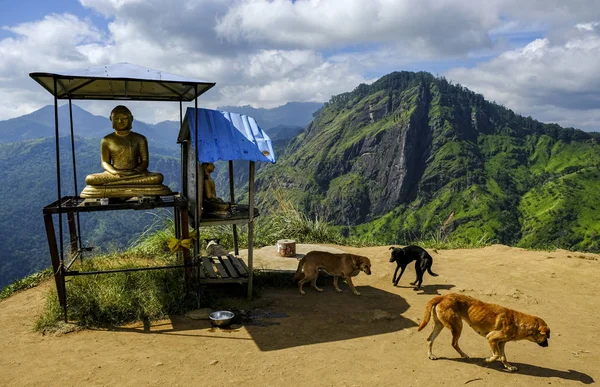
{"x": 124, "y": 156}
{"x": 210, "y": 202}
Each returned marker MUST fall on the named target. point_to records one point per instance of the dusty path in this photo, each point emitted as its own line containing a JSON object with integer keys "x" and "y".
{"x": 332, "y": 339}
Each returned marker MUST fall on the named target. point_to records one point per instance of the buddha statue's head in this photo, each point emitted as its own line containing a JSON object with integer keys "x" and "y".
{"x": 208, "y": 169}
{"x": 121, "y": 119}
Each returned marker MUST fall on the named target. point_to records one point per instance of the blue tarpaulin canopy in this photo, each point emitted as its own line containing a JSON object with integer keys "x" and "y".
{"x": 226, "y": 136}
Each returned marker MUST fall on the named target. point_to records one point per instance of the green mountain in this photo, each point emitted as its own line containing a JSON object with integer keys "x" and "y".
{"x": 413, "y": 156}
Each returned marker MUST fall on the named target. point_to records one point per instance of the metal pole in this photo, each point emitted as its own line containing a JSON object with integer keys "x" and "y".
{"x": 180, "y": 114}
{"x": 175, "y": 210}
{"x": 60, "y": 228}
{"x": 77, "y": 273}
{"x": 183, "y": 159}
{"x": 54, "y": 257}
{"x": 232, "y": 200}
{"x": 76, "y": 195}
{"x": 198, "y": 177}
{"x": 250, "y": 229}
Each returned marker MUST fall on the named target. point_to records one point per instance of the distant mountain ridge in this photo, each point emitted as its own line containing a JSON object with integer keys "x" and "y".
{"x": 290, "y": 114}
{"x": 40, "y": 124}
{"x": 286, "y": 122}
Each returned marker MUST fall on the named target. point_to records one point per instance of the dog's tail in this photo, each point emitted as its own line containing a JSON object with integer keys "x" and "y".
{"x": 428, "y": 263}
{"x": 299, "y": 274}
{"x": 430, "y": 272}
{"x": 430, "y": 305}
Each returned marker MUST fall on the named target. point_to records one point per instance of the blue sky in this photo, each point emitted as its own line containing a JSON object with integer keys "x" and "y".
{"x": 21, "y": 11}
{"x": 537, "y": 57}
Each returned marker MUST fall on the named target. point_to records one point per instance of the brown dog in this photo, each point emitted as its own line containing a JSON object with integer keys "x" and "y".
{"x": 338, "y": 265}
{"x": 497, "y": 324}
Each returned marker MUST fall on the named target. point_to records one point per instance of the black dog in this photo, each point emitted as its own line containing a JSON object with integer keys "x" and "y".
{"x": 404, "y": 256}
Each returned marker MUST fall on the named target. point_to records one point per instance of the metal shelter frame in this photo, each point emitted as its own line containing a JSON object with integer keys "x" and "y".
{"x": 227, "y": 137}
{"x": 114, "y": 82}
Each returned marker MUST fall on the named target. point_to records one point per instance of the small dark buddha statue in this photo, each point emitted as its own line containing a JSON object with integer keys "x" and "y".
{"x": 210, "y": 202}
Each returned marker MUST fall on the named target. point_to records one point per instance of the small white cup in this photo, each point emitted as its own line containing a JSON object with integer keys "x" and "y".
{"x": 103, "y": 201}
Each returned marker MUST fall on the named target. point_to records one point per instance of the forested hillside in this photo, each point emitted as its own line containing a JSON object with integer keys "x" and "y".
{"x": 28, "y": 183}
{"x": 413, "y": 156}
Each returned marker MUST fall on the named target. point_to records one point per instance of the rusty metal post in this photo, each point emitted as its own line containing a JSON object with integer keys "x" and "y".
{"x": 72, "y": 233}
{"x": 56, "y": 263}
{"x": 185, "y": 234}
{"x": 250, "y": 229}
{"x": 232, "y": 201}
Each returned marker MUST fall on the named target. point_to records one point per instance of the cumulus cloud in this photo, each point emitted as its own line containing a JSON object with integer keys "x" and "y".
{"x": 178, "y": 39}
{"x": 549, "y": 81}
{"x": 54, "y": 43}
{"x": 431, "y": 26}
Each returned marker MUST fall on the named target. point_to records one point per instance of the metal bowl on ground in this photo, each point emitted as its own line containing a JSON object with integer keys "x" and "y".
{"x": 221, "y": 318}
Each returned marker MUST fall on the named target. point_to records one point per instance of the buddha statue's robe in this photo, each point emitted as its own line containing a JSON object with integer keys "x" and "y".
{"x": 125, "y": 163}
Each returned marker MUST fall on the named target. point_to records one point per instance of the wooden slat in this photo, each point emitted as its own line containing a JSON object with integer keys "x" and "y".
{"x": 201, "y": 273}
{"x": 220, "y": 268}
{"x": 229, "y": 280}
{"x": 227, "y": 263}
{"x": 209, "y": 267}
{"x": 241, "y": 261}
{"x": 238, "y": 266}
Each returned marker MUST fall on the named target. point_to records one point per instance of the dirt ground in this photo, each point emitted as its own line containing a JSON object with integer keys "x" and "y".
{"x": 331, "y": 339}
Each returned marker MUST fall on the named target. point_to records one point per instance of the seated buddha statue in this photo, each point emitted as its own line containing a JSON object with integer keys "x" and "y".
{"x": 124, "y": 156}
{"x": 210, "y": 202}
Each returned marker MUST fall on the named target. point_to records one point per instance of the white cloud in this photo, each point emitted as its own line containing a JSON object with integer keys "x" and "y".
{"x": 109, "y": 8}
{"x": 181, "y": 40}
{"x": 551, "y": 82}
{"x": 438, "y": 27}
{"x": 53, "y": 41}
{"x": 588, "y": 26}
{"x": 56, "y": 42}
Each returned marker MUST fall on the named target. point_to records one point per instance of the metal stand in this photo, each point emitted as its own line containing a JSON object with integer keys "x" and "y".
{"x": 73, "y": 204}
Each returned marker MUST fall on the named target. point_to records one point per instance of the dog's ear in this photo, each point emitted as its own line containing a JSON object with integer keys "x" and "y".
{"x": 356, "y": 260}
{"x": 392, "y": 247}
{"x": 544, "y": 330}
{"x": 217, "y": 240}
{"x": 207, "y": 240}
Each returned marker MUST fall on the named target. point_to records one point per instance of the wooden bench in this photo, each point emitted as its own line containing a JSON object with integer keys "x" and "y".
{"x": 227, "y": 269}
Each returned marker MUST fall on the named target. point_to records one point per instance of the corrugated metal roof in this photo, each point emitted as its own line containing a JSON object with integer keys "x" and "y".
{"x": 226, "y": 136}
{"x": 121, "y": 81}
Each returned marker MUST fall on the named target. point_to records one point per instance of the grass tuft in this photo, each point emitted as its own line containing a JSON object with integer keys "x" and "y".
{"x": 25, "y": 283}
